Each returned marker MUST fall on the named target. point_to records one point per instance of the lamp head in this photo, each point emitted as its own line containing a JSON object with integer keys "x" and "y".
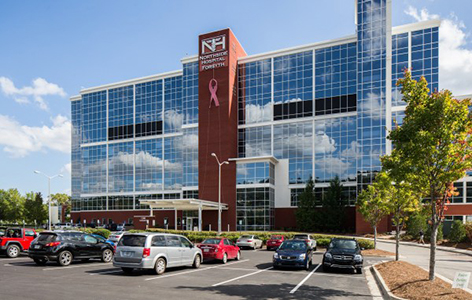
{"x": 37, "y": 172}
{"x": 60, "y": 175}
{"x": 226, "y": 163}
{"x": 213, "y": 154}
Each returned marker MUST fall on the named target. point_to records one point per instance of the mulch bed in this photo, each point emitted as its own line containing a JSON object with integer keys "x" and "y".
{"x": 377, "y": 252}
{"x": 411, "y": 282}
{"x": 466, "y": 246}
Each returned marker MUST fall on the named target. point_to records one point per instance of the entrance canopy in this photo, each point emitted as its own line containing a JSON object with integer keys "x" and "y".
{"x": 184, "y": 204}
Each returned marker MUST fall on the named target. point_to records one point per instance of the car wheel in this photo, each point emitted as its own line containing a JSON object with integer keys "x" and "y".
{"x": 238, "y": 256}
{"x": 359, "y": 270}
{"x": 127, "y": 270}
{"x": 13, "y": 251}
{"x": 307, "y": 265}
{"x": 197, "y": 262}
{"x": 225, "y": 258}
{"x": 107, "y": 255}
{"x": 160, "y": 267}
{"x": 40, "y": 261}
{"x": 64, "y": 258}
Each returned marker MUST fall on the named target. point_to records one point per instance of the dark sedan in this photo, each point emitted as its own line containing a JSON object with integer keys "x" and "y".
{"x": 293, "y": 253}
{"x": 66, "y": 246}
{"x": 343, "y": 253}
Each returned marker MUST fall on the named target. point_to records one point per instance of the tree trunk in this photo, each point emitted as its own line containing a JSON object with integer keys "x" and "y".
{"x": 432, "y": 253}
{"x": 397, "y": 244}
{"x": 375, "y": 237}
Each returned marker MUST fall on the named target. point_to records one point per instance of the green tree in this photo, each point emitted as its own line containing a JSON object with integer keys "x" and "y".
{"x": 432, "y": 147}
{"x": 11, "y": 204}
{"x": 373, "y": 204}
{"x": 333, "y": 203}
{"x": 35, "y": 210}
{"x": 63, "y": 200}
{"x": 305, "y": 214}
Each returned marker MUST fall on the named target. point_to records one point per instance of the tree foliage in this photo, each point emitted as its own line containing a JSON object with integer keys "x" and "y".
{"x": 305, "y": 213}
{"x": 35, "y": 210}
{"x": 432, "y": 148}
{"x": 332, "y": 212}
{"x": 372, "y": 202}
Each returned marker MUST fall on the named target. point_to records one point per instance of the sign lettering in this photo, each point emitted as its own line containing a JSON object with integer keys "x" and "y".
{"x": 214, "y": 54}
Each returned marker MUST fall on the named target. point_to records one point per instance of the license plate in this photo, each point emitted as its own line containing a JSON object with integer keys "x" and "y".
{"x": 206, "y": 250}
{"x": 37, "y": 246}
{"x": 126, "y": 253}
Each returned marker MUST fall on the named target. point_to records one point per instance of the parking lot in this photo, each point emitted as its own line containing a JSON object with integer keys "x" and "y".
{"x": 250, "y": 278}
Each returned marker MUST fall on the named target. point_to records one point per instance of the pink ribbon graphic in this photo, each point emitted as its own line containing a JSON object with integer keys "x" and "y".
{"x": 213, "y": 88}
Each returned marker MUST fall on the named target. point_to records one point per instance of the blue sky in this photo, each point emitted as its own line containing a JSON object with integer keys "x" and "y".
{"x": 51, "y": 49}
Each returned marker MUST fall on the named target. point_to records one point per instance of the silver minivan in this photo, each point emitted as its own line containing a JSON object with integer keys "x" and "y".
{"x": 157, "y": 251}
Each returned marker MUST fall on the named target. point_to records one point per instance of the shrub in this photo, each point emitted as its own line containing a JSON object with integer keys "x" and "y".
{"x": 468, "y": 230}
{"x": 100, "y": 231}
{"x": 440, "y": 236}
{"x": 458, "y": 232}
{"x": 415, "y": 224}
{"x": 366, "y": 244}
{"x": 323, "y": 242}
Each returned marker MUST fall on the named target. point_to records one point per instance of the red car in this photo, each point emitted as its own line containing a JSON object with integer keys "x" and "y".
{"x": 16, "y": 240}
{"x": 220, "y": 249}
{"x": 275, "y": 241}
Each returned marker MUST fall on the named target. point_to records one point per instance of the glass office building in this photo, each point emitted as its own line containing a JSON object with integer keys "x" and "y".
{"x": 315, "y": 111}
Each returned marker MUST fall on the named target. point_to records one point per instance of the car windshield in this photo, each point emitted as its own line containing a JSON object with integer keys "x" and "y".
{"x": 132, "y": 241}
{"x": 47, "y": 237}
{"x": 301, "y": 237}
{"x": 343, "y": 244}
{"x": 211, "y": 241}
{"x": 293, "y": 246}
{"x": 246, "y": 237}
{"x": 276, "y": 237}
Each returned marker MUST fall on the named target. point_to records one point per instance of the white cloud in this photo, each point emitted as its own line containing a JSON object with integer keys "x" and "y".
{"x": 324, "y": 143}
{"x": 455, "y": 59}
{"x": 20, "y": 140}
{"x": 257, "y": 113}
{"x": 67, "y": 168}
{"x": 40, "y": 88}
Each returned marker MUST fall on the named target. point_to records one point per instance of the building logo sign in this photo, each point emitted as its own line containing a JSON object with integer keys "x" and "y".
{"x": 214, "y": 54}
{"x": 213, "y": 87}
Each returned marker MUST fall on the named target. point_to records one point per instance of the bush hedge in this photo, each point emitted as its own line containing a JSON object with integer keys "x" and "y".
{"x": 468, "y": 230}
{"x": 100, "y": 231}
{"x": 197, "y": 237}
{"x": 458, "y": 232}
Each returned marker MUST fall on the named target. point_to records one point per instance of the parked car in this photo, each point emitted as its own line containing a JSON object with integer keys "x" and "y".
{"x": 220, "y": 249}
{"x": 115, "y": 236}
{"x": 251, "y": 241}
{"x": 103, "y": 240}
{"x": 308, "y": 238}
{"x": 343, "y": 253}
{"x": 157, "y": 251}
{"x": 293, "y": 253}
{"x": 275, "y": 241}
{"x": 66, "y": 246}
{"x": 16, "y": 240}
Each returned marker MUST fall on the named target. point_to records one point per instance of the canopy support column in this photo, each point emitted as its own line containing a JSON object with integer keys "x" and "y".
{"x": 200, "y": 217}
{"x": 175, "y": 218}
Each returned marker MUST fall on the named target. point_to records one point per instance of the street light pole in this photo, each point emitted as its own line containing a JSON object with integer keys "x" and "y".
{"x": 219, "y": 189}
{"x": 49, "y": 194}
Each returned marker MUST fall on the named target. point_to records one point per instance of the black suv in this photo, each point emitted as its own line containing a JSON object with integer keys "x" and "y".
{"x": 65, "y": 246}
{"x": 343, "y": 253}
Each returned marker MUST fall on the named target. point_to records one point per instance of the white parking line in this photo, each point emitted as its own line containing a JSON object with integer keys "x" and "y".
{"x": 76, "y": 266}
{"x": 239, "y": 277}
{"x": 304, "y": 279}
{"x": 192, "y": 271}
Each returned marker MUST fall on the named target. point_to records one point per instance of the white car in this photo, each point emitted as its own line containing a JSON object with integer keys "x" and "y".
{"x": 116, "y": 236}
{"x": 251, "y": 241}
{"x": 308, "y": 238}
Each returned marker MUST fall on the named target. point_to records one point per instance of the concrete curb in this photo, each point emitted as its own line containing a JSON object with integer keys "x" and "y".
{"x": 442, "y": 248}
{"x": 383, "y": 286}
{"x": 447, "y": 280}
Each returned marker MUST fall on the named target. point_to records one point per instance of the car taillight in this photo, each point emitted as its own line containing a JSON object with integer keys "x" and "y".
{"x": 146, "y": 252}
{"x": 237, "y": 241}
{"x": 114, "y": 248}
{"x": 249, "y": 241}
{"x": 53, "y": 244}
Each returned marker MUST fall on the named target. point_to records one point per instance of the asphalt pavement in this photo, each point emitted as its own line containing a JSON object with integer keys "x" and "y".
{"x": 250, "y": 278}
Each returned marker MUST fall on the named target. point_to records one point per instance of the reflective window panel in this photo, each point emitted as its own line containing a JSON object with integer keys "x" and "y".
{"x": 94, "y": 164}
{"x": 254, "y": 141}
{"x": 120, "y": 167}
{"x": 255, "y": 209}
{"x": 120, "y": 113}
{"x": 149, "y": 108}
{"x": 94, "y": 117}
{"x": 173, "y": 163}
{"x": 173, "y": 115}
{"x": 190, "y": 157}
{"x": 149, "y": 165}
{"x": 190, "y": 93}
{"x": 255, "y": 173}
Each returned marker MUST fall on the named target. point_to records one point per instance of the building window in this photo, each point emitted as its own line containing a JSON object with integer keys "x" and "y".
{"x": 190, "y": 93}
{"x": 255, "y": 141}
{"x": 399, "y": 64}
{"x": 255, "y": 173}
{"x": 293, "y": 86}
{"x": 120, "y": 202}
{"x": 469, "y": 192}
{"x": 149, "y": 164}
{"x": 255, "y": 209}
{"x": 255, "y": 92}
{"x": 120, "y": 167}
{"x": 295, "y": 143}
{"x": 149, "y": 108}
{"x": 173, "y": 163}
{"x": 336, "y": 79}
{"x": 295, "y": 196}
{"x": 173, "y": 116}
{"x": 94, "y": 203}
{"x": 190, "y": 194}
{"x": 190, "y": 157}
{"x": 94, "y": 117}
{"x": 120, "y": 113}
{"x": 94, "y": 175}
{"x": 139, "y": 198}
{"x": 459, "y": 189}
{"x": 425, "y": 56}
